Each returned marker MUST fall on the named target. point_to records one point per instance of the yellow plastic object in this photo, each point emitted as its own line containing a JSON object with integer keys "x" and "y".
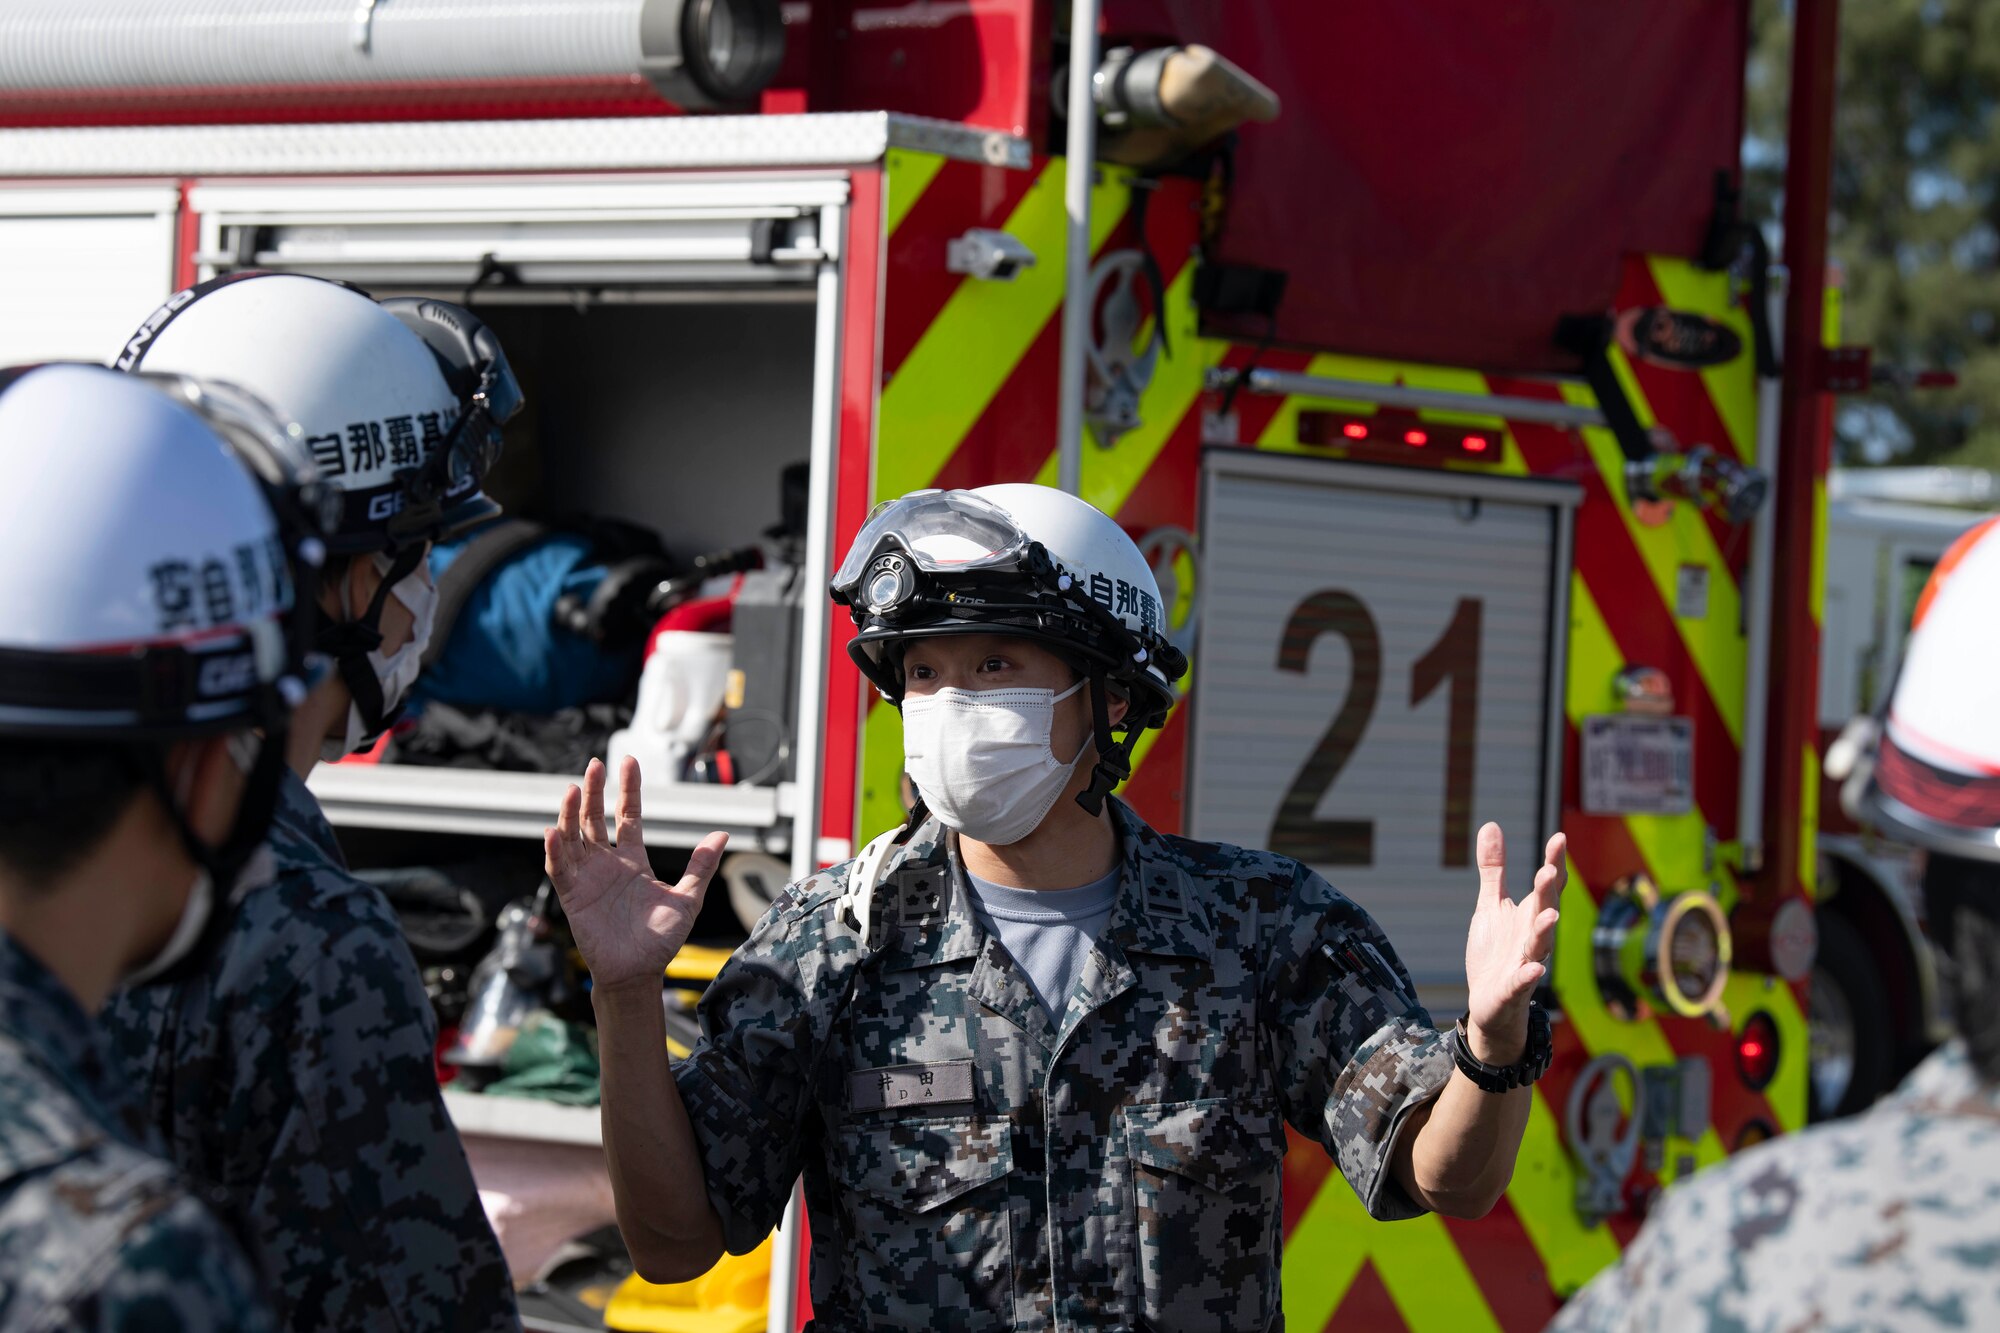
{"x": 732, "y": 1297}
{"x": 697, "y": 962}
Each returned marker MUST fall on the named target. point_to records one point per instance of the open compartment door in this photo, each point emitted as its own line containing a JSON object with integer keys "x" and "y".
{"x": 675, "y": 339}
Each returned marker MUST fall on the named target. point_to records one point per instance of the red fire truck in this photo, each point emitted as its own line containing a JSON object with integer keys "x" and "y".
{"x": 1478, "y": 442}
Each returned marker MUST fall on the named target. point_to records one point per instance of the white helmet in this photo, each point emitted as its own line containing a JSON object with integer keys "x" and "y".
{"x": 1930, "y": 772}
{"x": 1017, "y": 559}
{"x": 184, "y": 522}
{"x": 402, "y": 401}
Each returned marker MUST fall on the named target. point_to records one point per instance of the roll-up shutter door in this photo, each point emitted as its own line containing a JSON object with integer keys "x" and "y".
{"x": 81, "y": 268}
{"x": 1377, "y": 674}
{"x": 525, "y": 235}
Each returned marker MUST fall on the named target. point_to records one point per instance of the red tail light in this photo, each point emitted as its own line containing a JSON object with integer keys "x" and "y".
{"x": 1757, "y": 1051}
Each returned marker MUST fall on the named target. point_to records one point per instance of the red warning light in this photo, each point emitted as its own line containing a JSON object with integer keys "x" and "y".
{"x": 1397, "y": 435}
{"x": 1757, "y": 1051}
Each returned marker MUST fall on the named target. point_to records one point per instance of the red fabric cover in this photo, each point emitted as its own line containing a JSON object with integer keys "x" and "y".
{"x": 1447, "y": 178}
{"x": 703, "y": 615}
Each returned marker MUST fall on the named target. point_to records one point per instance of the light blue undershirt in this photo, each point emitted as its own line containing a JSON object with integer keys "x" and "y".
{"x": 1047, "y": 932}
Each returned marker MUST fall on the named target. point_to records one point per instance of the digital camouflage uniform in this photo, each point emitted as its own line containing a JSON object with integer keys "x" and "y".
{"x": 94, "y": 1232}
{"x": 971, "y": 1164}
{"x": 1889, "y": 1220}
{"x": 294, "y": 1071}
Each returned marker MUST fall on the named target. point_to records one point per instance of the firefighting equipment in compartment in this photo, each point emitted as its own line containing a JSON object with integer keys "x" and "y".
{"x": 754, "y": 881}
{"x": 762, "y": 698}
{"x": 1023, "y": 560}
{"x": 982, "y": 759}
{"x": 532, "y": 619}
{"x": 680, "y": 692}
{"x": 185, "y": 524}
{"x": 528, "y": 969}
{"x": 1928, "y": 771}
{"x": 401, "y": 403}
{"x": 550, "y": 1061}
{"x": 729, "y": 1298}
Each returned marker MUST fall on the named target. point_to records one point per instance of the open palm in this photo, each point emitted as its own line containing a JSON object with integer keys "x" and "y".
{"x": 627, "y": 924}
{"x": 1507, "y": 948}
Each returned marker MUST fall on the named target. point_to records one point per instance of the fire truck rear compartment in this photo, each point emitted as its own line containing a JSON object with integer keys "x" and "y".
{"x": 666, "y": 331}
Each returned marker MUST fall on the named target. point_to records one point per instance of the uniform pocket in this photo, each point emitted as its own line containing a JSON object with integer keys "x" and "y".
{"x": 1205, "y": 1193}
{"x": 925, "y": 1202}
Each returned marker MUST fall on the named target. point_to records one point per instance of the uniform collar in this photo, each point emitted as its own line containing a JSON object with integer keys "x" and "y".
{"x": 54, "y": 1033}
{"x": 297, "y": 818}
{"x": 1157, "y": 911}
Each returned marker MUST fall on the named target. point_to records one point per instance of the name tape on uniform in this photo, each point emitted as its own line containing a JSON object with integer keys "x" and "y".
{"x": 947, "y": 1083}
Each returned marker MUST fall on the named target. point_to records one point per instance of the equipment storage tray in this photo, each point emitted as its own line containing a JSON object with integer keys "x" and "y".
{"x": 521, "y": 805}
{"x": 478, "y": 1115}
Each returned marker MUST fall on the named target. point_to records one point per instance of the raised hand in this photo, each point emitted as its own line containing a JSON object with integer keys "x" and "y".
{"x": 1507, "y": 948}
{"x": 627, "y": 924}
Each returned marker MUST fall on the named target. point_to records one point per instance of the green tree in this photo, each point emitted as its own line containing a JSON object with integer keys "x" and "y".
{"x": 1915, "y": 220}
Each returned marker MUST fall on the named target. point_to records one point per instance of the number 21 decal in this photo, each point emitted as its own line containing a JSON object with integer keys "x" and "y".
{"x": 1298, "y": 831}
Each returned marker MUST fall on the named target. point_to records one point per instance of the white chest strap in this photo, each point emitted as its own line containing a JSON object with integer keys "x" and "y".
{"x": 857, "y": 901}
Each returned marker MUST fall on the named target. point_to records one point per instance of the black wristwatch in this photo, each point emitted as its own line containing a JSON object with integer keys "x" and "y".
{"x": 1534, "y": 1061}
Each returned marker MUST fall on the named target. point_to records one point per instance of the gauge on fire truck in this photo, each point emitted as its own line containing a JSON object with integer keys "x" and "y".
{"x": 1672, "y": 951}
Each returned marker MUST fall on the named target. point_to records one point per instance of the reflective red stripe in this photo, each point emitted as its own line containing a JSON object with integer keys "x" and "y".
{"x": 962, "y": 195}
{"x": 1640, "y": 621}
{"x": 1367, "y": 1305}
{"x": 1509, "y": 1269}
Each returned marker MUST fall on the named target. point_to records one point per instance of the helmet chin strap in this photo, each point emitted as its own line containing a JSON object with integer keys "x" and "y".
{"x": 225, "y": 862}
{"x": 1114, "y": 758}
{"x": 349, "y": 643}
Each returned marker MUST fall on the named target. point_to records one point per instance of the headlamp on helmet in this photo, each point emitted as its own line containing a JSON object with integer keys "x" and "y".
{"x": 1028, "y": 561}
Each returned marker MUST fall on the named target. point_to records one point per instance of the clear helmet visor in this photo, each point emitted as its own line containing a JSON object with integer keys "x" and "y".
{"x": 943, "y": 532}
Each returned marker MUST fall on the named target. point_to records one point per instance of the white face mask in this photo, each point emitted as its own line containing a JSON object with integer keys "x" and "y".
{"x": 195, "y": 914}
{"x": 397, "y": 672}
{"x": 982, "y": 759}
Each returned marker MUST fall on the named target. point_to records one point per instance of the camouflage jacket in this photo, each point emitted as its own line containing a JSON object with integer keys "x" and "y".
{"x": 94, "y": 1232}
{"x": 1889, "y": 1220}
{"x": 293, "y": 1070}
{"x": 971, "y": 1164}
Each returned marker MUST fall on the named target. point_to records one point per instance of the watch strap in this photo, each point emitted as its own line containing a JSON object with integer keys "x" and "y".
{"x": 1534, "y": 1061}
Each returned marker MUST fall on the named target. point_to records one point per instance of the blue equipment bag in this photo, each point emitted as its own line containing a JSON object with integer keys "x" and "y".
{"x": 522, "y": 624}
